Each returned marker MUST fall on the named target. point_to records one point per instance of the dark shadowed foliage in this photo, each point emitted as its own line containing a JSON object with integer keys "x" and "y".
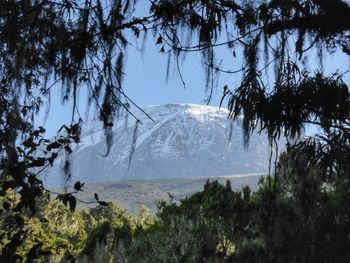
{"x": 80, "y": 45}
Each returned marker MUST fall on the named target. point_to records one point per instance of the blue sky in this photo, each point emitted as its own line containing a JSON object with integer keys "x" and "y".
{"x": 145, "y": 80}
{"x": 146, "y": 84}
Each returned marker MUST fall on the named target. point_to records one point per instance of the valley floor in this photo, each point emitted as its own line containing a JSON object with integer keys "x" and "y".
{"x": 130, "y": 194}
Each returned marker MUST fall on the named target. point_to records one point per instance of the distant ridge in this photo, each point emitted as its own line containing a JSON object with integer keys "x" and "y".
{"x": 130, "y": 194}
{"x": 185, "y": 140}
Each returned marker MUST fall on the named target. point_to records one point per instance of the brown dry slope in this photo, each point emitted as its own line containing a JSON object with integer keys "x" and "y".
{"x": 130, "y": 194}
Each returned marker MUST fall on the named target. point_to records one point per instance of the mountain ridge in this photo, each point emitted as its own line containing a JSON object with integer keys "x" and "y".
{"x": 183, "y": 140}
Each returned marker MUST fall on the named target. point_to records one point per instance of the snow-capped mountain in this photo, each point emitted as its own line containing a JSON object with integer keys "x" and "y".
{"x": 181, "y": 141}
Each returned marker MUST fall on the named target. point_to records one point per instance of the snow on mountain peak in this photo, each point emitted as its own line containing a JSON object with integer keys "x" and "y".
{"x": 183, "y": 140}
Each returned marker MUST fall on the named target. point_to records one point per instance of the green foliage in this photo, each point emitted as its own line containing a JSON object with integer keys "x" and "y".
{"x": 200, "y": 228}
{"x": 82, "y": 45}
{"x": 55, "y": 233}
{"x": 299, "y": 215}
{"x": 110, "y": 236}
{"x": 71, "y": 44}
{"x": 295, "y": 216}
{"x": 47, "y": 235}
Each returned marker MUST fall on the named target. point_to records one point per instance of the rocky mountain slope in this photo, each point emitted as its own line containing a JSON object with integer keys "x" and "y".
{"x": 181, "y": 141}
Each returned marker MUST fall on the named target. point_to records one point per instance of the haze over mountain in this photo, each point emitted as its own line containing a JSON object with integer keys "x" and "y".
{"x": 183, "y": 140}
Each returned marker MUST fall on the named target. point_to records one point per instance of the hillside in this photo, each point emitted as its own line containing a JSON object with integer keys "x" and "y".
{"x": 180, "y": 141}
{"x": 130, "y": 194}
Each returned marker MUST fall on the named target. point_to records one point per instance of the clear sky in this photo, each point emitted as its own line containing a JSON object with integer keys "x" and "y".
{"x": 145, "y": 81}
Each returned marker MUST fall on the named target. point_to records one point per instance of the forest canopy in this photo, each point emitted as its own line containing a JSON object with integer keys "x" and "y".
{"x": 81, "y": 45}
